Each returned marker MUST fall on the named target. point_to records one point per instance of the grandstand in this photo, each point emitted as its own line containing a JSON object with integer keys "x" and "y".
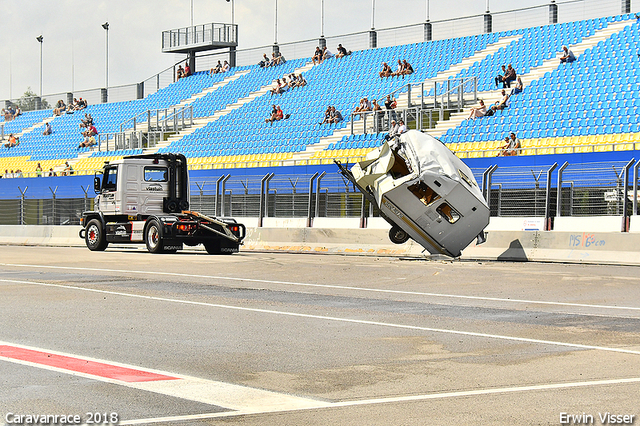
{"x": 583, "y": 112}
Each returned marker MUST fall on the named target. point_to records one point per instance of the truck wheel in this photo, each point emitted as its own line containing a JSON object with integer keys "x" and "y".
{"x": 153, "y": 238}
{"x": 214, "y": 248}
{"x": 397, "y": 235}
{"x": 94, "y": 236}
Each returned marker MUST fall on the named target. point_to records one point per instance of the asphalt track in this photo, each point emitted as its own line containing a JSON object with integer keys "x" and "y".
{"x": 282, "y": 339}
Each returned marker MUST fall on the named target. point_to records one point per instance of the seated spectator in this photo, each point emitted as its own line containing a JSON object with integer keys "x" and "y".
{"x": 12, "y": 142}
{"x": 47, "y": 129}
{"x": 277, "y": 116}
{"x": 518, "y": 88}
{"x": 51, "y": 173}
{"x": 17, "y": 173}
{"x": 17, "y": 113}
{"x": 293, "y": 81}
{"x": 393, "y": 131}
{"x": 500, "y": 78}
{"x": 407, "y": 69}
{"x": 478, "y": 111}
{"x": 326, "y": 54}
{"x": 187, "y": 70}
{"x": 505, "y": 147}
{"x": 317, "y": 56}
{"x": 180, "y": 72}
{"x": 226, "y": 67}
{"x": 301, "y": 81}
{"x": 386, "y": 70}
{"x": 275, "y": 88}
{"x": 89, "y": 136}
{"x": 364, "y": 106}
{"x": 285, "y": 85}
{"x": 86, "y": 121}
{"x": 60, "y": 108}
{"x": 399, "y": 70}
{"x": 491, "y": 111}
{"x": 264, "y": 62}
{"x": 218, "y": 69}
{"x": 509, "y": 76}
{"x": 337, "y": 116}
{"x": 567, "y": 55}
{"x": 502, "y": 103}
{"x": 327, "y": 116}
{"x": 68, "y": 170}
{"x": 342, "y": 52}
{"x": 402, "y": 128}
{"x": 279, "y": 59}
{"x": 7, "y": 115}
{"x": 6, "y": 175}
{"x": 511, "y": 146}
{"x": 273, "y": 62}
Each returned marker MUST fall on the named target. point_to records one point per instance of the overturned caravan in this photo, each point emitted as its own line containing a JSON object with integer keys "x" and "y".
{"x": 424, "y": 191}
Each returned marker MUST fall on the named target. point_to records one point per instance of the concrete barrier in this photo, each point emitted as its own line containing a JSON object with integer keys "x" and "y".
{"x": 549, "y": 246}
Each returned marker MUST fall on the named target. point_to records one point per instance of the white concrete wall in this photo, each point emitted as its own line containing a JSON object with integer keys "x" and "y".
{"x": 588, "y": 224}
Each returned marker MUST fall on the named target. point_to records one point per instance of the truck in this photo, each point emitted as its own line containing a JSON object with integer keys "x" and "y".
{"x": 424, "y": 191}
{"x": 145, "y": 199}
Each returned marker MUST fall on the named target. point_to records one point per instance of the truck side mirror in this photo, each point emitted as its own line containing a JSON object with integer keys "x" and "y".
{"x": 96, "y": 184}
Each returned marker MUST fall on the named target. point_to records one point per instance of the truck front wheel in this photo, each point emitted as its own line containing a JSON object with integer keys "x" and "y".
{"x": 95, "y": 237}
{"x": 152, "y": 237}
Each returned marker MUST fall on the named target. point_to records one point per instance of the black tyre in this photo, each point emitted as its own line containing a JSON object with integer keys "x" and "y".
{"x": 397, "y": 235}
{"x": 153, "y": 237}
{"x": 94, "y": 236}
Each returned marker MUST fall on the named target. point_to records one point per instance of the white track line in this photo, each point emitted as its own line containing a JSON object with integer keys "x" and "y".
{"x": 409, "y": 398}
{"x": 337, "y": 319}
{"x": 225, "y": 395}
{"x": 333, "y": 286}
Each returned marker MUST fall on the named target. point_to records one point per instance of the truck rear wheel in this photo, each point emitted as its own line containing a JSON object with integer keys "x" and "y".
{"x": 95, "y": 237}
{"x": 397, "y": 235}
{"x": 153, "y": 237}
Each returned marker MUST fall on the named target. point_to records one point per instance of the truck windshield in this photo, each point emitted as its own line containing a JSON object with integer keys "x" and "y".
{"x": 110, "y": 182}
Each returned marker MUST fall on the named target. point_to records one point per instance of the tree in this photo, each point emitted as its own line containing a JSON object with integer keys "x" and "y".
{"x": 28, "y": 101}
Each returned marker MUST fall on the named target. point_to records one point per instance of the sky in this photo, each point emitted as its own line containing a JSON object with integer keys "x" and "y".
{"x": 73, "y": 50}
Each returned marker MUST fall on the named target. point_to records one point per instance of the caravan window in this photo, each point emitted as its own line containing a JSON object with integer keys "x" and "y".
{"x": 424, "y": 193}
{"x": 448, "y": 212}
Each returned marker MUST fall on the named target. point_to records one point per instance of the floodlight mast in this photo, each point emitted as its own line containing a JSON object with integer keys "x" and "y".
{"x": 106, "y": 62}
{"x": 40, "y": 40}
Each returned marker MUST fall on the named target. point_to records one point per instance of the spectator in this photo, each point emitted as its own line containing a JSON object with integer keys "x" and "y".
{"x": 264, "y": 62}
{"x": 279, "y": 59}
{"x": 500, "y": 78}
{"x": 390, "y": 104}
{"x": 6, "y": 174}
{"x": 52, "y": 173}
{"x": 7, "y": 115}
{"x": 364, "y": 106}
{"x": 180, "y": 72}
{"x": 511, "y": 146}
{"x": 478, "y": 111}
{"x": 317, "y": 56}
{"x": 17, "y": 113}
{"x": 342, "y": 52}
{"x": 393, "y": 131}
{"x": 285, "y": 85}
{"x": 567, "y": 55}
{"x": 509, "y": 76}
{"x": 491, "y": 111}
{"x": 39, "y": 170}
{"x": 89, "y": 136}
{"x": 68, "y": 170}
{"x": 401, "y": 127}
{"x": 337, "y": 116}
{"x": 277, "y": 116}
{"x": 60, "y": 108}
{"x": 407, "y": 69}
{"x": 326, "y": 54}
{"x": 301, "y": 81}
{"x": 275, "y": 89}
{"x": 505, "y": 147}
{"x": 399, "y": 70}
{"x": 12, "y": 142}
{"x": 187, "y": 70}
{"x": 375, "y": 106}
{"x": 386, "y": 70}
{"x": 226, "y": 67}
{"x": 327, "y": 116}
{"x": 502, "y": 103}
{"x": 47, "y": 129}
{"x": 518, "y": 88}
{"x": 218, "y": 68}
{"x": 82, "y": 103}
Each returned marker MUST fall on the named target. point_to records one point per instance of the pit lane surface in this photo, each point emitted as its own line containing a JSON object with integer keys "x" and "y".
{"x": 263, "y": 338}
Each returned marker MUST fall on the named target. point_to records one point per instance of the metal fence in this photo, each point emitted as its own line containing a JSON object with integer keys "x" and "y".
{"x": 588, "y": 189}
{"x": 570, "y": 10}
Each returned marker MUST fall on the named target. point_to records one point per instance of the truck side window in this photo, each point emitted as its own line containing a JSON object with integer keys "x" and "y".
{"x": 448, "y": 213}
{"x": 155, "y": 174}
{"x": 424, "y": 193}
{"x": 110, "y": 182}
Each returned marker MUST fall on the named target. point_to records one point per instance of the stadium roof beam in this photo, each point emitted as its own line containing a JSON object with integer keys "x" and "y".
{"x": 200, "y": 38}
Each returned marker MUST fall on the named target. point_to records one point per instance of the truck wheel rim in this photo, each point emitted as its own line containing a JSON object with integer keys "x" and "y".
{"x": 92, "y": 234}
{"x": 152, "y": 236}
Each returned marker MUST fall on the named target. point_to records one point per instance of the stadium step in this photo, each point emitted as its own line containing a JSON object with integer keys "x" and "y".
{"x": 548, "y": 65}
{"x": 35, "y": 126}
{"x": 322, "y": 144}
